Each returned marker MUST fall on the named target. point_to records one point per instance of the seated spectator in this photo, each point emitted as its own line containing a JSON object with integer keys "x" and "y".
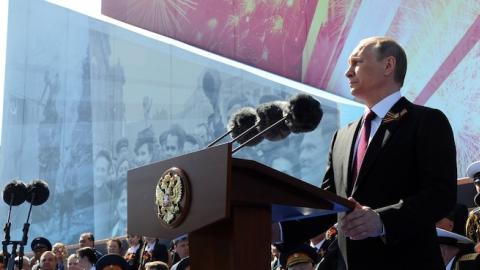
{"x": 88, "y": 240}
{"x": 48, "y": 261}
{"x": 132, "y": 256}
{"x": 72, "y": 261}
{"x": 61, "y": 255}
{"x": 86, "y": 258}
{"x": 156, "y": 265}
{"x": 114, "y": 246}
{"x": 183, "y": 264}
{"x": 153, "y": 250}
{"x": 180, "y": 248}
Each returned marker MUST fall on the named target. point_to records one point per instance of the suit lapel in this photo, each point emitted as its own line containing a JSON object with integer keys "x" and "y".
{"x": 387, "y": 128}
{"x": 344, "y": 186}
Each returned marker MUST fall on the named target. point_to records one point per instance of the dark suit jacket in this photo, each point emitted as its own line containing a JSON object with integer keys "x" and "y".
{"x": 411, "y": 158}
{"x": 159, "y": 253}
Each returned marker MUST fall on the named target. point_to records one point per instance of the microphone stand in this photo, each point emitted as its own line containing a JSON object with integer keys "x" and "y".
{"x": 218, "y": 139}
{"x": 6, "y": 230}
{"x": 234, "y": 139}
{"x": 10, "y": 262}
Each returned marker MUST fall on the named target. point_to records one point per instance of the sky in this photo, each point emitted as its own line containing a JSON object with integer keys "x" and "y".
{"x": 88, "y": 7}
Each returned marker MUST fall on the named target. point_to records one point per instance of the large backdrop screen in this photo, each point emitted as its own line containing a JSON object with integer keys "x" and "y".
{"x": 310, "y": 40}
{"x": 85, "y": 101}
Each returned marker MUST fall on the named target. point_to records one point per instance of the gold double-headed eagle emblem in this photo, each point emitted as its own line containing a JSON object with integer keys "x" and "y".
{"x": 172, "y": 196}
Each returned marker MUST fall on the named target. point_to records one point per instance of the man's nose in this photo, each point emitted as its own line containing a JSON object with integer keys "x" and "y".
{"x": 349, "y": 72}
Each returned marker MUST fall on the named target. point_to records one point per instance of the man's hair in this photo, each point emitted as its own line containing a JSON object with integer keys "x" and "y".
{"x": 73, "y": 256}
{"x": 89, "y": 253}
{"x": 179, "y": 239}
{"x": 156, "y": 265}
{"x": 89, "y": 236}
{"x": 47, "y": 252}
{"x": 385, "y": 47}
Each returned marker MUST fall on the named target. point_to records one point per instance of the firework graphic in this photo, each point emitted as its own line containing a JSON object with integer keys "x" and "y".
{"x": 166, "y": 17}
{"x": 310, "y": 41}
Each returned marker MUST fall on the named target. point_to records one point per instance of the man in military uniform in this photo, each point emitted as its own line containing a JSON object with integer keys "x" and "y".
{"x": 457, "y": 251}
{"x": 473, "y": 221}
{"x": 301, "y": 257}
{"x": 111, "y": 261}
{"x": 39, "y": 245}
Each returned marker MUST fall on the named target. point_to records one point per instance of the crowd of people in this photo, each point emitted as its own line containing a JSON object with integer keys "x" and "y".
{"x": 136, "y": 253}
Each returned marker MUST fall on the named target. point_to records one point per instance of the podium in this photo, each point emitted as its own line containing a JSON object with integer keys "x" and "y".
{"x": 231, "y": 207}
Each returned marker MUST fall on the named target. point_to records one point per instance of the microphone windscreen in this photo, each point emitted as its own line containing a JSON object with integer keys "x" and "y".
{"x": 241, "y": 121}
{"x": 305, "y": 113}
{"x": 269, "y": 113}
{"x": 476, "y": 199}
{"x": 37, "y": 192}
{"x": 14, "y": 193}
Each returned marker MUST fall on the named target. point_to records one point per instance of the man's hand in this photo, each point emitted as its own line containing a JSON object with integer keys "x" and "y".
{"x": 361, "y": 223}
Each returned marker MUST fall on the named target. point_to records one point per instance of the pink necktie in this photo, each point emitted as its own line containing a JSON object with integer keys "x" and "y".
{"x": 363, "y": 143}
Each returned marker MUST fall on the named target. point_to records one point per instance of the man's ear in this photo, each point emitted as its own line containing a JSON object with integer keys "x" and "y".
{"x": 389, "y": 64}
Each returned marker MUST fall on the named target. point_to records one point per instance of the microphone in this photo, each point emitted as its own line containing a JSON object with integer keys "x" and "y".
{"x": 37, "y": 192}
{"x": 305, "y": 113}
{"x": 302, "y": 114}
{"x": 242, "y": 124}
{"x": 15, "y": 193}
{"x": 270, "y": 113}
{"x": 476, "y": 199}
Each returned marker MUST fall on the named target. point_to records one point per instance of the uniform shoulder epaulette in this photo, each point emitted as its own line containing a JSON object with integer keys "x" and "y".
{"x": 469, "y": 257}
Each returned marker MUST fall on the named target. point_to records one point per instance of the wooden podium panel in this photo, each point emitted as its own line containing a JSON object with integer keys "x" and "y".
{"x": 208, "y": 171}
{"x": 232, "y": 205}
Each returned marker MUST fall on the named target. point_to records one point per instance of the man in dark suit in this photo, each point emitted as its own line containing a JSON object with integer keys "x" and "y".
{"x": 153, "y": 250}
{"x": 398, "y": 154}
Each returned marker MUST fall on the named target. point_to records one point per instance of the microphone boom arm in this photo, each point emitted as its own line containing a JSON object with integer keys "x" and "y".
{"x": 257, "y": 135}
